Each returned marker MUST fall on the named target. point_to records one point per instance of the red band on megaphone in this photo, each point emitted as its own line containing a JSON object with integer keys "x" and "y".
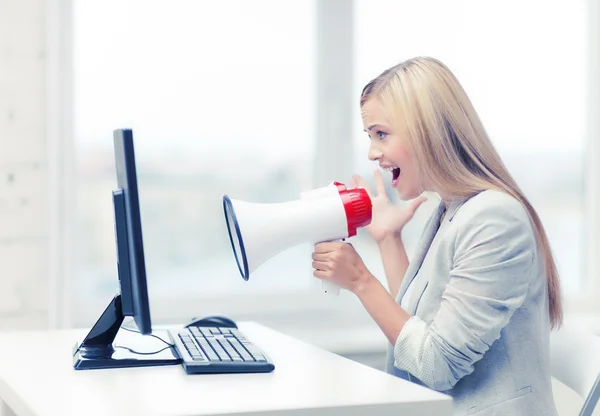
{"x": 357, "y": 205}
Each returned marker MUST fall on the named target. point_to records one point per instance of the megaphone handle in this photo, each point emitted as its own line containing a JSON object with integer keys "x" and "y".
{"x": 330, "y": 288}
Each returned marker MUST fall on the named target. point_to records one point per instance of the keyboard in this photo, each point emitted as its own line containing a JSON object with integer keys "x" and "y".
{"x": 210, "y": 350}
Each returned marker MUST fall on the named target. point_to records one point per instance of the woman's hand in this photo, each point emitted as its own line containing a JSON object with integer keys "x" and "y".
{"x": 387, "y": 219}
{"x": 341, "y": 264}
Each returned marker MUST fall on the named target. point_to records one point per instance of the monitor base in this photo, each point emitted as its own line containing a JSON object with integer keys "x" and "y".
{"x": 86, "y": 358}
{"x": 98, "y": 349}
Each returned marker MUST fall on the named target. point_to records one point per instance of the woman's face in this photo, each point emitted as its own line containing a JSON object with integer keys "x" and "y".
{"x": 389, "y": 149}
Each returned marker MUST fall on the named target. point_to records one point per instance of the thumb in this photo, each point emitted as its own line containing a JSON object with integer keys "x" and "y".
{"x": 416, "y": 203}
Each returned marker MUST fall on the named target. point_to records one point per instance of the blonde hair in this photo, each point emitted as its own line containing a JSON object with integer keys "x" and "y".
{"x": 445, "y": 134}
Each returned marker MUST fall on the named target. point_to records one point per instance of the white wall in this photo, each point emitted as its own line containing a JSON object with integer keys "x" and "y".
{"x": 23, "y": 165}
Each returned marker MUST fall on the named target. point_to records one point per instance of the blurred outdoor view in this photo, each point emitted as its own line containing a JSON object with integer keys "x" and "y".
{"x": 221, "y": 100}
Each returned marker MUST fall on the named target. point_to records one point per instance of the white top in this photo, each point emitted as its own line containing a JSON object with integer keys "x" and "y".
{"x": 37, "y": 379}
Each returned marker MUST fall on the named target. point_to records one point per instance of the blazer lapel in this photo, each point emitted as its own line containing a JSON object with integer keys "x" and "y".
{"x": 421, "y": 250}
{"x": 420, "y": 283}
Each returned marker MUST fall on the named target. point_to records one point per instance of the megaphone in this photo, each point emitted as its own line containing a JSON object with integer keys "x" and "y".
{"x": 258, "y": 231}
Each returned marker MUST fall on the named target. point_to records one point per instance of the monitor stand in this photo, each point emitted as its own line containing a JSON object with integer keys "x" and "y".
{"x": 97, "y": 349}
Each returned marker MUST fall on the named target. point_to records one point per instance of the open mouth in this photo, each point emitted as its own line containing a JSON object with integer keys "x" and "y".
{"x": 395, "y": 173}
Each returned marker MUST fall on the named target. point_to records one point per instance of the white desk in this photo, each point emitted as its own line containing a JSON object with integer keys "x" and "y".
{"x": 37, "y": 379}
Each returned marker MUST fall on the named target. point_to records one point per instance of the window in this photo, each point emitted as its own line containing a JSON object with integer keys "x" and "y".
{"x": 220, "y": 97}
{"x": 523, "y": 64}
{"x": 223, "y": 99}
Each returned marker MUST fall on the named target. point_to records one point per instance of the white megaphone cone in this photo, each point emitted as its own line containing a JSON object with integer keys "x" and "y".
{"x": 259, "y": 231}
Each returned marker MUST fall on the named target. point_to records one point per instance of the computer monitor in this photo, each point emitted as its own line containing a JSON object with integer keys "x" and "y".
{"x": 97, "y": 349}
{"x": 128, "y": 228}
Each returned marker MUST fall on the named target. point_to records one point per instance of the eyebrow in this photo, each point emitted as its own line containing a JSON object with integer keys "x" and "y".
{"x": 371, "y": 127}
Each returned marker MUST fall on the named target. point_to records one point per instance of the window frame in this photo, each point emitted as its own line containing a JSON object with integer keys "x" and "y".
{"x": 587, "y": 300}
{"x": 60, "y": 158}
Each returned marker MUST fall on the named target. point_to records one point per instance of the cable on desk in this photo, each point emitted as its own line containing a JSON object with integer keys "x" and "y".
{"x": 141, "y": 353}
{"x": 152, "y": 335}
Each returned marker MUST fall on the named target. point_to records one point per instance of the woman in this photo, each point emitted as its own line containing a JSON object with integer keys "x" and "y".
{"x": 470, "y": 315}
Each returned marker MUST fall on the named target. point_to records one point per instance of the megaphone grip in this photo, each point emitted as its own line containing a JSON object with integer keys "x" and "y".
{"x": 330, "y": 288}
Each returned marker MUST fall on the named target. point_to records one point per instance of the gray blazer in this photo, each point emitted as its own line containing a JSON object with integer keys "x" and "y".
{"x": 480, "y": 325}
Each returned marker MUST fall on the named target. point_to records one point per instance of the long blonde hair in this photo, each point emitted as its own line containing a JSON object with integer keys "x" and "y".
{"x": 447, "y": 137}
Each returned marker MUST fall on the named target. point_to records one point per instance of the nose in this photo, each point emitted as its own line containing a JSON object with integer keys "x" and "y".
{"x": 374, "y": 152}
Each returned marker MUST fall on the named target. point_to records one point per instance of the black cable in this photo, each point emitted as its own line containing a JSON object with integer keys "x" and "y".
{"x": 152, "y": 335}
{"x": 141, "y": 353}
{"x": 169, "y": 345}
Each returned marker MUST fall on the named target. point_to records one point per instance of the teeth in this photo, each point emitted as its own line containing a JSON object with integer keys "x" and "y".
{"x": 389, "y": 169}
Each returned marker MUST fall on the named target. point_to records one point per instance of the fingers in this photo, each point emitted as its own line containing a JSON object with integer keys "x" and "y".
{"x": 332, "y": 246}
{"x": 319, "y": 256}
{"x": 360, "y": 183}
{"x": 379, "y": 183}
{"x": 319, "y": 265}
{"x": 321, "y": 274}
{"x": 327, "y": 247}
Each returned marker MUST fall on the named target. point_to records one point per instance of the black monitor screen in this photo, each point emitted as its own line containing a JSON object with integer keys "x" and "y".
{"x": 128, "y": 224}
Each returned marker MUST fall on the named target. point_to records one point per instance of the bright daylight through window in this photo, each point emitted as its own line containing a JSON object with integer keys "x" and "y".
{"x": 231, "y": 110}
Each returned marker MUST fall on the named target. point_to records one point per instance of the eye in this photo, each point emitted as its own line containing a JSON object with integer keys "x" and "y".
{"x": 381, "y": 134}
